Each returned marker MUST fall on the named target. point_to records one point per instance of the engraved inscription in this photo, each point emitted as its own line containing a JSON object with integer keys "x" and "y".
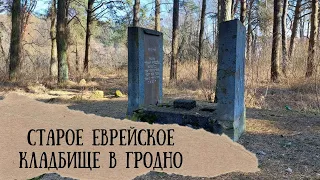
{"x": 151, "y": 66}
{"x": 151, "y": 69}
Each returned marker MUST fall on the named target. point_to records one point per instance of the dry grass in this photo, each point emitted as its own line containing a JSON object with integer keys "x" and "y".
{"x": 109, "y": 74}
{"x": 187, "y": 84}
{"x": 289, "y": 138}
{"x": 294, "y": 91}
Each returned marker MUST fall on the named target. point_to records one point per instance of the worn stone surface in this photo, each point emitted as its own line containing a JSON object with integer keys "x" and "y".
{"x": 184, "y": 104}
{"x": 145, "y": 67}
{"x": 230, "y": 77}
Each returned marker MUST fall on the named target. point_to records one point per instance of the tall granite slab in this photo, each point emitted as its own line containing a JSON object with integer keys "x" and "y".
{"x": 145, "y": 68}
{"x": 230, "y": 78}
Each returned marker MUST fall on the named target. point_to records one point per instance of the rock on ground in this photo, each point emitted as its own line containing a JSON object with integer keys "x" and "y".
{"x": 52, "y": 176}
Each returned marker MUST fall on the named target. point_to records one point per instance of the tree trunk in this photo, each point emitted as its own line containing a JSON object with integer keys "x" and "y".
{"x": 254, "y": 43}
{"x": 175, "y": 40}
{"x": 77, "y": 58}
{"x": 15, "y": 42}
{"x": 62, "y": 46}
{"x": 284, "y": 38}
{"x": 136, "y": 10}
{"x": 318, "y": 37}
{"x": 70, "y": 70}
{"x": 88, "y": 36}
{"x": 302, "y": 27}
{"x": 53, "y": 60}
{"x": 157, "y": 16}
{"x": 249, "y": 39}
{"x": 226, "y": 10}
{"x": 234, "y": 7}
{"x": 27, "y": 7}
{"x": 2, "y": 52}
{"x": 219, "y": 11}
{"x": 214, "y": 34}
{"x": 294, "y": 27}
{"x": 243, "y": 11}
{"x": 312, "y": 39}
{"x": 224, "y": 13}
{"x": 276, "y": 41}
{"x": 203, "y": 17}
{"x": 249, "y": 33}
{"x": 217, "y": 25}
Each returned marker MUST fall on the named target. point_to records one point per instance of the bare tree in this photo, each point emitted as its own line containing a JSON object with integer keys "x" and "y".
{"x": 249, "y": 32}
{"x": 53, "y": 59}
{"x": 15, "y": 43}
{"x": 294, "y": 27}
{"x": 312, "y": 39}
{"x": 3, "y": 54}
{"x": 88, "y": 36}
{"x": 136, "y": 10}
{"x": 284, "y": 38}
{"x": 27, "y": 7}
{"x": 95, "y": 10}
{"x": 203, "y": 17}
{"x": 318, "y": 35}
{"x": 225, "y": 13}
{"x": 302, "y": 23}
{"x": 175, "y": 41}
{"x": 276, "y": 41}
{"x": 243, "y": 11}
{"x": 62, "y": 45}
{"x": 157, "y": 15}
{"x": 21, "y": 12}
{"x": 234, "y": 7}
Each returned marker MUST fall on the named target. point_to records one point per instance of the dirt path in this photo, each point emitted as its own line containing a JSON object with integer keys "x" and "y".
{"x": 281, "y": 140}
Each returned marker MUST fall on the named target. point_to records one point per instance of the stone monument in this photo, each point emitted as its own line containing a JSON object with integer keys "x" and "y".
{"x": 145, "y": 84}
{"x": 145, "y": 67}
{"x": 230, "y": 78}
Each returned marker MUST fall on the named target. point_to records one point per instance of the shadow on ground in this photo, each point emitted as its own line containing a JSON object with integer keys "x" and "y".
{"x": 276, "y": 154}
{"x": 285, "y": 120}
{"x": 286, "y": 142}
{"x": 281, "y": 120}
{"x": 115, "y": 108}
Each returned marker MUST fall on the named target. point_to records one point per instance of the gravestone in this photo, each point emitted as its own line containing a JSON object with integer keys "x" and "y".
{"x": 227, "y": 116}
{"x": 145, "y": 67}
{"x": 230, "y": 78}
